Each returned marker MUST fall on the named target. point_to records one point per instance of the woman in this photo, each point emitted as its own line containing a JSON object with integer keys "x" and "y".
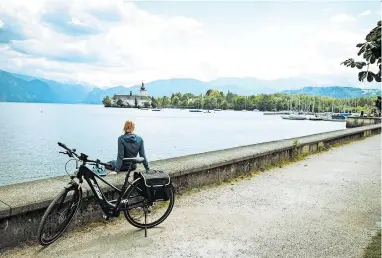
{"x": 129, "y": 145}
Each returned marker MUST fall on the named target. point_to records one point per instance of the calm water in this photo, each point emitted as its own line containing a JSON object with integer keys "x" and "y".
{"x": 28, "y": 137}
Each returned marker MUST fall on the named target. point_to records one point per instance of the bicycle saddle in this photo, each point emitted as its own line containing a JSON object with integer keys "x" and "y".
{"x": 134, "y": 160}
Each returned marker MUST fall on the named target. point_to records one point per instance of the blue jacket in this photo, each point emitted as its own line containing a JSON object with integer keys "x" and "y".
{"x": 129, "y": 145}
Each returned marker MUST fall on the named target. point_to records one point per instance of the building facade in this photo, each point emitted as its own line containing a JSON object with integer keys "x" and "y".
{"x": 131, "y": 100}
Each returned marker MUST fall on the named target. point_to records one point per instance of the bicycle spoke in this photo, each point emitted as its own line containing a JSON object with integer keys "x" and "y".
{"x": 58, "y": 216}
{"x": 156, "y": 211}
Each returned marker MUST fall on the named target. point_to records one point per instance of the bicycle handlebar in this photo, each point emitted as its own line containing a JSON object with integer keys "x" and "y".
{"x": 71, "y": 152}
{"x": 100, "y": 163}
{"x": 63, "y": 146}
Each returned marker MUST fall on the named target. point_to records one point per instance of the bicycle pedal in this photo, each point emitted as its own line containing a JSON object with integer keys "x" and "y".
{"x": 105, "y": 217}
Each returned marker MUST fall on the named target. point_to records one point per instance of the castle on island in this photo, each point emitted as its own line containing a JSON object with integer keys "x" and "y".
{"x": 141, "y": 100}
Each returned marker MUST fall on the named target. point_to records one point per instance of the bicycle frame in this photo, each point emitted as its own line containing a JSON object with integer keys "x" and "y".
{"x": 110, "y": 208}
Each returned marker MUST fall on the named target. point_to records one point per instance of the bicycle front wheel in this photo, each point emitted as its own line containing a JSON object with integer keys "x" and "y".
{"x": 157, "y": 211}
{"x": 59, "y": 215}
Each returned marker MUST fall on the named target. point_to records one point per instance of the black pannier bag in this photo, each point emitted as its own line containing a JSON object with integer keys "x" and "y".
{"x": 153, "y": 185}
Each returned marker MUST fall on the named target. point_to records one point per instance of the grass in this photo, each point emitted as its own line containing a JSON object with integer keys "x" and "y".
{"x": 373, "y": 250}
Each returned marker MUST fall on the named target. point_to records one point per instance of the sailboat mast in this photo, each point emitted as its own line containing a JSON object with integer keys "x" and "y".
{"x": 299, "y": 103}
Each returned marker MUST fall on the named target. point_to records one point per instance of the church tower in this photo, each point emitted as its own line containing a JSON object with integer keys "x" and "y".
{"x": 143, "y": 90}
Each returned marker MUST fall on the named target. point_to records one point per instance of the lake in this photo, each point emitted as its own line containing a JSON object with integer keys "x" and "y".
{"x": 29, "y": 134}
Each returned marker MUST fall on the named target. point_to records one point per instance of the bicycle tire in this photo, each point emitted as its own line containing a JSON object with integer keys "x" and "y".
{"x": 76, "y": 199}
{"x": 133, "y": 222}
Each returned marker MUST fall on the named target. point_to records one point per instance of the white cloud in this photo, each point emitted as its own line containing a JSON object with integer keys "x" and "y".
{"x": 342, "y": 17}
{"x": 113, "y": 42}
{"x": 1, "y": 24}
{"x": 138, "y": 46}
{"x": 365, "y": 13}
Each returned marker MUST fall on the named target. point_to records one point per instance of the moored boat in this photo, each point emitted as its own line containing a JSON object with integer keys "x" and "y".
{"x": 294, "y": 117}
{"x": 285, "y": 117}
{"x": 315, "y": 118}
{"x": 297, "y": 117}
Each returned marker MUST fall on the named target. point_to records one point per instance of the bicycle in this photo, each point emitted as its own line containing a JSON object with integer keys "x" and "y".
{"x": 132, "y": 199}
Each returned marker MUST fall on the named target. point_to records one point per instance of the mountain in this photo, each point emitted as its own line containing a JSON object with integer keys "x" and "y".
{"x": 68, "y": 93}
{"x": 24, "y": 88}
{"x": 336, "y": 92}
{"x": 160, "y": 88}
{"x": 17, "y": 90}
{"x": 157, "y": 88}
{"x": 97, "y": 94}
{"x": 253, "y": 86}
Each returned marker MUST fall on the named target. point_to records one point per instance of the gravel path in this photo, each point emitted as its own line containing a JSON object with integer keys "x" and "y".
{"x": 324, "y": 206}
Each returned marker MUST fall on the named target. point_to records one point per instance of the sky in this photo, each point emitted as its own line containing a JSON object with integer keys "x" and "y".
{"x": 114, "y": 42}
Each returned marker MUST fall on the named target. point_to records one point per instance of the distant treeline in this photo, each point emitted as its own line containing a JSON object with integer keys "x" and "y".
{"x": 214, "y": 99}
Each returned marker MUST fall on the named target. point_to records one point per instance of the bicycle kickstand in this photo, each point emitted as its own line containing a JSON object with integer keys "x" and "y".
{"x": 145, "y": 210}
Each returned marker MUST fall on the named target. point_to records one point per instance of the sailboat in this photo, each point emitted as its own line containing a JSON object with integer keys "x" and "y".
{"x": 295, "y": 115}
{"x": 315, "y": 117}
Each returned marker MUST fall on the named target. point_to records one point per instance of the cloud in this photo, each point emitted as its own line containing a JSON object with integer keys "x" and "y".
{"x": 342, "y": 17}
{"x": 66, "y": 17}
{"x": 6, "y": 36}
{"x": 74, "y": 26}
{"x": 103, "y": 41}
{"x": 65, "y": 52}
{"x": 116, "y": 42}
{"x": 365, "y": 13}
{"x": 10, "y": 29}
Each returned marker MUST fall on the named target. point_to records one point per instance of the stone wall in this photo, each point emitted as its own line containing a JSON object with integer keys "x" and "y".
{"x": 22, "y": 205}
{"x": 352, "y": 122}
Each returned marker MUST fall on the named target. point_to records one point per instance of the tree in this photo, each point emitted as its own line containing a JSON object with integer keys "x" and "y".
{"x": 165, "y": 101}
{"x": 196, "y": 103}
{"x": 268, "y": 102}
{"x": 119, "y": 102}
{"x": 187, "y": 96}
{"x": 184, "y": 103}
{"x": 135, "y": 102}
{"x": 224, "y": 104}
{"x": 175, "y": 101}
{"x": 239, "y": 103}
{"x": 146, "y": 104}
{"x": 209, "y": 92}
{"x": 230, "y": 97}
{"x": 371, "y": 50}
{"x": 213, "y": 93}
{"x": 210, "y": 103}
{"x": 106, "y": 101}
{"x": 154, "y": 102}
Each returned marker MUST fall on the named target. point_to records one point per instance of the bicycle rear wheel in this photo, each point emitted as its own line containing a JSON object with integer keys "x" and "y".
{"x": 58, "y": 215}
{"x": 157, "y": 211}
